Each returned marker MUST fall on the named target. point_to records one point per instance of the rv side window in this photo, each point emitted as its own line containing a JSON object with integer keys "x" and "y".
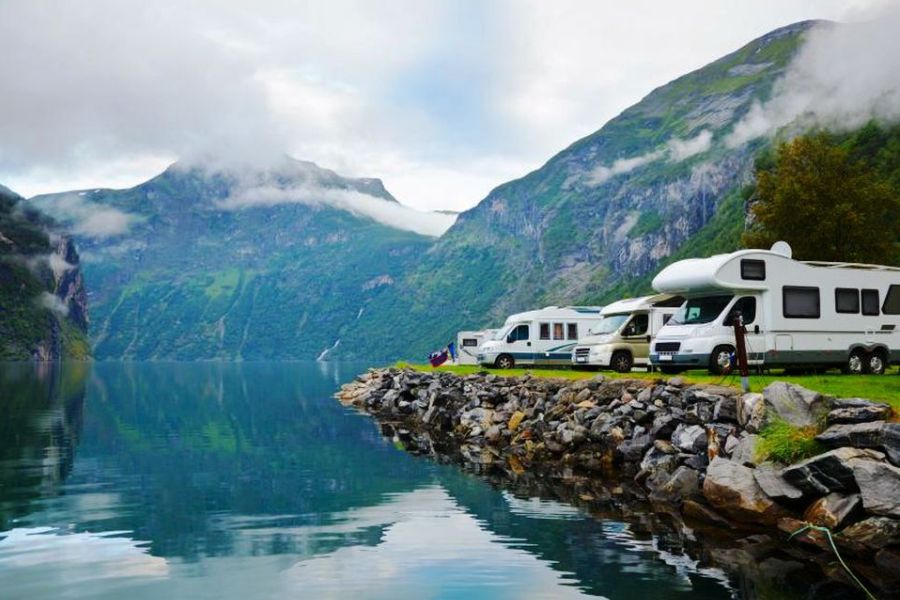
{"x": 800, "y": 302}
{"x": 558, "y": 331}
{"x": 470, "y": 343}
{"x": 545, "y": 331}
{"x": 746, "y": 306}
{"x": 637, "y": 326}
{"x": 753, "y": 270}
{"x": 573, "y": 331}
{"x": 870, "y": 303}
{"x": 892, "y": 301}
{"x": 518, "y": 334}
{"x": 846, "y": 300}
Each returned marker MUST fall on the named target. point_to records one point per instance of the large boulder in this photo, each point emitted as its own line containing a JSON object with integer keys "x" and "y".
{"x": 875, "y": 434}
{"x": 828, "y": 472}
{"x": 773, "y": 484}
{"x": 857, "y": 410}
{"x": 732, "y": 490}
{"x": 833, "y": 510}
{"x": 879, "y": 486}
{"x": 683, "y": 483}
{"x": 795, "y": 404}
{"x": 745, "y": 451}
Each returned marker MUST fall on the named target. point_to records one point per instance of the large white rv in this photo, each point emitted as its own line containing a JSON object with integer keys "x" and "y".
{"x": 622, "y": 338}
{"x": 539, "y": 337}
{"x": 797, "y": 314}
{"x": 468, "y": 344}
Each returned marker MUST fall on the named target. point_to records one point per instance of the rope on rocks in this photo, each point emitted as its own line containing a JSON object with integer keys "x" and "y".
{"x": 827, "y": 533}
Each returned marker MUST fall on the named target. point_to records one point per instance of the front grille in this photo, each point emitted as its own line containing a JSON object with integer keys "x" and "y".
{"x": 579, "y": 352}
{"x": 668, "y": 346}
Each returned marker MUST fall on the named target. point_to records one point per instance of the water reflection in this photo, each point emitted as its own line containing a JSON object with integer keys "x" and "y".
{"x": 247, "y": 480}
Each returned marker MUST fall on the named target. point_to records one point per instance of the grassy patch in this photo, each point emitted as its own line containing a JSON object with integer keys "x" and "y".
{"x": 782, "y": 442}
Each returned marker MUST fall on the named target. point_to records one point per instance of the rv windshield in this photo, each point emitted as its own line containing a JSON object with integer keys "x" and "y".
{"x": 701, "y": 310}
{"x": 609, "y": 324}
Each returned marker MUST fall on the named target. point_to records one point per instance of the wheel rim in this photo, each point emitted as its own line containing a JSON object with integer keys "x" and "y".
{"x": 855, "y": 364}
{"x": 504, "y": 363}
{"x": 622, "y": 364}
{"x": 723, "y": 359}
{"x": 876, "y": 365}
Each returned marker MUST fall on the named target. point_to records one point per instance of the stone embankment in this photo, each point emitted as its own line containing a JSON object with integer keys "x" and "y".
{"x": 691, "y": 450}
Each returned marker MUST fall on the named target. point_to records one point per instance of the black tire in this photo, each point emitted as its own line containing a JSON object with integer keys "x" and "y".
{"x": 671, "y": 370}
{"x": 856, "y": 363}
{"x": 876, "y": 363}
{"x": 621, "y": 361}
{"x": 720, "y": 360}
{"x": 505, "y": 361}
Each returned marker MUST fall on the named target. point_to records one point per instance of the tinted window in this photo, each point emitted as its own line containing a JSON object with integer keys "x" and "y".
{"x": 801, "y": 302}
{"x": 545, "y": 331}
{"x": 469, "y": 342}
{"x": 846, "y": 300}
{"x": 573, "y": 331}
{"x": 870, "y": 302}
{"x": 754, "y": 270}
{"x": 701, "y": 310}
{"x": 746, "y": 307}
{"x": 519, "y": 333}
{"x": 892, "y": 301}
{"x": 637, "y": 326}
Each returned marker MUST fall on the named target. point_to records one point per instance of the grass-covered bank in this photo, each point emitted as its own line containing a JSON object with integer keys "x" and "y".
{"x": 882, "y": 388}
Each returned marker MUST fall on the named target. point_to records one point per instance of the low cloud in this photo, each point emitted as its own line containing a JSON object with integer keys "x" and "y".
{"x": 88, "y": 218}
{"x": 386, "y": 212}
{"x": 53, "y": 303}
{"x": 843, "y": 76}
{"x": 675, "y": 150}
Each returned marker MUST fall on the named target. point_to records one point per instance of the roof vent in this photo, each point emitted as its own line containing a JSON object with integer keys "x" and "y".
{"x": 782, "y": 248}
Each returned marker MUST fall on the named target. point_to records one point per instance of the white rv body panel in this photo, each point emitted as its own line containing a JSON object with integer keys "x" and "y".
{"x": 468, "y": 344}
{"x": 799, "y": 313}
{"x": 539, "y": 337}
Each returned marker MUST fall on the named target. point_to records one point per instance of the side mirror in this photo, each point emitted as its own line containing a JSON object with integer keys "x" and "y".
{"x": 648, "y": 339}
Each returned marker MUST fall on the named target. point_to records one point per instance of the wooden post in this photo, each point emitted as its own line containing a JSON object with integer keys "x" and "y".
{"x": 740, "y": 344}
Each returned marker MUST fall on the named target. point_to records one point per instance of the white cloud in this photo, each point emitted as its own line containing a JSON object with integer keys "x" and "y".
{"x": 843, "y": 76}
{"x": 53, "y": 303}
{"x": 88, "y": 218}
{"x": 682, "y": 149}
{"x": 675, "y": 150}
{"x": 380, "y": 210}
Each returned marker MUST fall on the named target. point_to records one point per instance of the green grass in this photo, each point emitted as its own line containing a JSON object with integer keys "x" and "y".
{"x": 881, "y": 388}
{"x": 782, "y": 442}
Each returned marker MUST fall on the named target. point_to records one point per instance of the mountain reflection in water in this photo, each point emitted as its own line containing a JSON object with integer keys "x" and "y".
{"x": 229, "y": 480}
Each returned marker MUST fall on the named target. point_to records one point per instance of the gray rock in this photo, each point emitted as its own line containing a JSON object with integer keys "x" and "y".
{"x": 795, "y": 404}
{"x": 860, "y": 435}
{"x": 663, "y": 426}
{"x": 731, "y": 489}
{"x": 828, "y": 472}
{"x": 731, "y": 443}
{"x": 726, "y": 409}
{"x": 683, "y": 483}
{"x": 879, "y": 486}
{"x": 492, "y": 434}
{"x": 745, "y": 451}
{"x": 752, "y": 412}
{"x": 874, "y": 532}
{"x": 891, "y": 442}
{"x": 859, "y": 414}
{"x": 833, "y": 510}
{"x": 773, "y": 484}
{"x": 695, "y": 461}
{"x": 632, "y": 450}
{"x": 657, "y": 459}
{"x": 689, "y": 438}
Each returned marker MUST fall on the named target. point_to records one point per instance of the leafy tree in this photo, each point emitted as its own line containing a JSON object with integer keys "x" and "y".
{"x": 829, "y": 201}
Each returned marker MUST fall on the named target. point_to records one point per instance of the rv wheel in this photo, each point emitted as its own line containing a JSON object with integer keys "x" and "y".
{"x": 720, "y": 360}
{"x": 876, "y": 363}
{"x": 621, "y": 361}
{"x": 504, "y": 361}
{"x": 856, "y": 363}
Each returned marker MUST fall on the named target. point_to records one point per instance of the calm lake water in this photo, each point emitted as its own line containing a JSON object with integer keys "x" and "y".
{"x": 249, "y": 481}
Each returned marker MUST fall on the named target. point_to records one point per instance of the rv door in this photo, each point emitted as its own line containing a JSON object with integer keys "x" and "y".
{"x": 637, "y": 334}
{"x": 750, "y": 309}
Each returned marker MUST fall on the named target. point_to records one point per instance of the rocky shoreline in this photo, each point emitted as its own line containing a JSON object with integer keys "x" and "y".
{"x": 691, "y": 452}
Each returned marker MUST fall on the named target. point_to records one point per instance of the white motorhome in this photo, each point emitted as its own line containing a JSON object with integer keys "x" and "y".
{"x": 468, "y": 343}
{"x": 797, "y": 314}
{"x": 622, "y": 338}
{"x": 539, "y": 337}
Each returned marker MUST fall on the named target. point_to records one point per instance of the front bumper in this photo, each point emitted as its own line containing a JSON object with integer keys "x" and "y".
{"x": 487, "y": 358}
{"x": 592, "y": 359}
{"x": 676, "y": 359}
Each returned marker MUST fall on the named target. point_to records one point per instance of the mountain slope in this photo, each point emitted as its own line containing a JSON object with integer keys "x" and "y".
{"x": 234, "y": 264}
{"x": 43, "y": 305}
{"x": 597, "y": 216}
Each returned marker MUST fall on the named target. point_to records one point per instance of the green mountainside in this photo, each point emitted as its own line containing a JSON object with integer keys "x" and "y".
{"x": 196, "y": 278}
{"x": 43, "y": 305}
{"x": 585, "y": 228}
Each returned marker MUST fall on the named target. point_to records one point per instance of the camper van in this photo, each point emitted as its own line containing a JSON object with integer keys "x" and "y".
{"x": 539, "y": 337}
{"x": 622, "y": 338}
{"x": 796, "y": 314}
{"x": 468, "y": 343}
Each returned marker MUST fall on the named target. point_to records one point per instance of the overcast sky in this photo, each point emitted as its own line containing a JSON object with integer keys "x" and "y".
{"x": 442, "y": 100}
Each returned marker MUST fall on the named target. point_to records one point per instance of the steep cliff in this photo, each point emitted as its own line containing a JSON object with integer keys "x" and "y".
{"x": 43, "y": 303}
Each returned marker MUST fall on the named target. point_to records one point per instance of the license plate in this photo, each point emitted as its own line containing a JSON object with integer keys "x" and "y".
{"x": 663, "y": 357}
{"x": 581, "y": 359}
